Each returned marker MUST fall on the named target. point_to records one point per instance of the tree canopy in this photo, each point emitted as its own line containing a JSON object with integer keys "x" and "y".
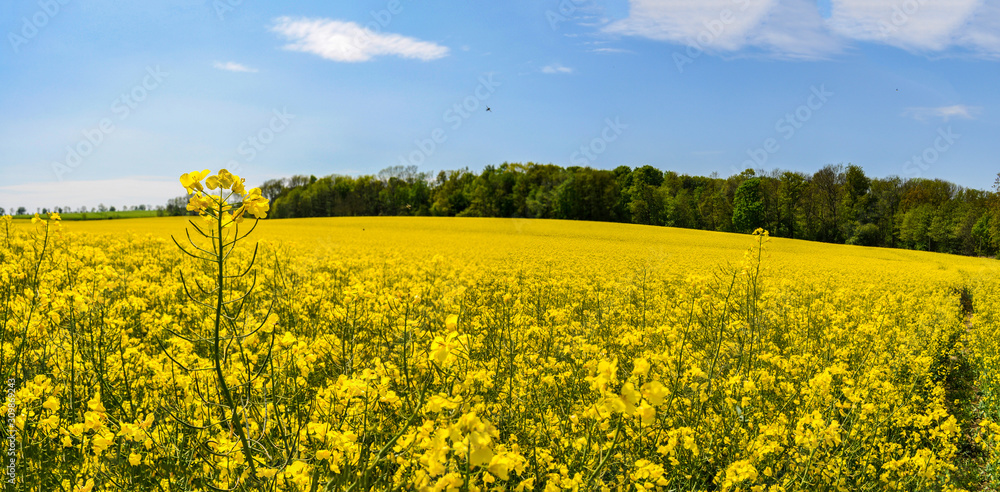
{"x": 835, "y": 204}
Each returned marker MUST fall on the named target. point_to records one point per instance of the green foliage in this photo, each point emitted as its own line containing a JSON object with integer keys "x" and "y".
{"x": 916, "y": 224}
{"x": 838, "y": 204}
{"x": 866, "y": 235}
{"x": 130, "y": 214}
{"x": 748, "y": 206}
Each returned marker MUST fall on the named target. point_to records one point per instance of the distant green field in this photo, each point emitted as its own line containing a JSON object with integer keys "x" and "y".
{"x": 132, "y": 214}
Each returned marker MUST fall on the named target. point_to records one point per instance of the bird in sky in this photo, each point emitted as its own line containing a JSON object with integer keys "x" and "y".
{"x": 488, "y": 109}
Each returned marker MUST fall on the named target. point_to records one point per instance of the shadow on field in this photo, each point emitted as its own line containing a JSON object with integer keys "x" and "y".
{"x": 962, "y": 399}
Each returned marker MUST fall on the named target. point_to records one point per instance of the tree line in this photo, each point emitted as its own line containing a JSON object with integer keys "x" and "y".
{"x": 836, "y": 204}
{"x": 82, "y": 210}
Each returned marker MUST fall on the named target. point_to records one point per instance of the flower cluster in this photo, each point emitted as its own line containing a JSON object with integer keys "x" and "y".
{"x": 218, "y": 207}
{"x": 38, "y": 220}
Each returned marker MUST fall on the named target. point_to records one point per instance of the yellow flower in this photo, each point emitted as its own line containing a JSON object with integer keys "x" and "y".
{"x": 738, "y": 472}
{"x": 444, "y": 350}
{"x": 51, "y": 403}
{"x": 640, "y": 367}
{"x": 134, "y": 459}
{"x": 256, "y": 204}
{"x": 499, "y": 466}
{"x": 146, "y": 423}
{"x": 528, "y": 484}
{"x": 481, "y": 452}
{"x": 49, "y": 423}
{"x": 224, "y": 180}
{"x": 192, "y": 181}
{"x": 647, "y": 413}
{"x": 322, "y": 454}
{"x": 228, "y": 219}
{"x": 655, "y": 392}
{"x": 198, "y": 202}
{"x": 101, "y": 443}
{"x": 630, "y": 397}
{"x": 95, "y": 404}
{"x": 269, "y": 323}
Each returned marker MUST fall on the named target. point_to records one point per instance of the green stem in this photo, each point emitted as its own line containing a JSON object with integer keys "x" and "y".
{"x": 223, "y": 387}
{"x": 604, "y": 459}
{"x": 34, "y": 303}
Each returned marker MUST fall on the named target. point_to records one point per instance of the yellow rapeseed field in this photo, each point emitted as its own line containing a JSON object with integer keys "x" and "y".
{"x": 481, "y": 354}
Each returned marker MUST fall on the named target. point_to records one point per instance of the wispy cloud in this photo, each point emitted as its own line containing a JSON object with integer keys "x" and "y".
{"x": 556, "y": 68}
{"x": 797, "y": 28}
{"x": 610, "y": 50}
{"x": 682, "y": 21}
{"x": 349, "y": 42}
{"x": 914, "y": 25}
{"x": 983, "y": 32}
{"x": 794, "y": 29}
{"x": 234, "y": 67}
{"x": 786, "y": 28}
{"x": 945, "y": 113}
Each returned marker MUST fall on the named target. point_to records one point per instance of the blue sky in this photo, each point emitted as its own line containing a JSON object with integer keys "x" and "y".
{"x": 106, "y": 101}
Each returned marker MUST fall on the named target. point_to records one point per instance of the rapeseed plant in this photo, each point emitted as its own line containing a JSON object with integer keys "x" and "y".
{"x": 221, "y": 229}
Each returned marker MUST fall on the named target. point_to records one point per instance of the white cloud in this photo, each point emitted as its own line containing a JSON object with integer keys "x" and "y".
{"x": 349, "y": 42}
{"x": 720, "y": 24}
{"x": 610, "y": 50}
{"x": 138, "y": 190}
{"x": 556, "y": 68}
{"x": 795, "y": 28}
{"x": 922, "y": 25}
{"x": 917, "y": 25}
{"x": 945, "y": 113}
{"x": 983, "y": 32}
{"x": 787, "y": 28}
{"x": 234, "y": 67}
